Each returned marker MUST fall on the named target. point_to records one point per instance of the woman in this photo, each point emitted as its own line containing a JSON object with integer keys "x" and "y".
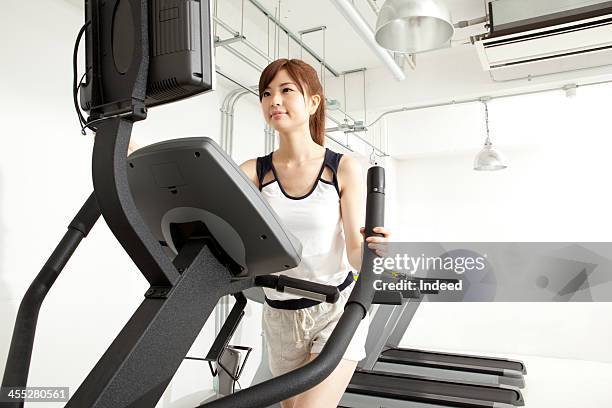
{"x": 318, "y": 194}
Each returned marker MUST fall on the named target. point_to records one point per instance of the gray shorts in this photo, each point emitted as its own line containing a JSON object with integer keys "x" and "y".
{"x": 291, "y": 336}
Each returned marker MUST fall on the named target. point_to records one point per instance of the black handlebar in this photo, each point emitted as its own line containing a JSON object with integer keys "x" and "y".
{"x": 363, "y": 292}
{"x": 299, "y": 287}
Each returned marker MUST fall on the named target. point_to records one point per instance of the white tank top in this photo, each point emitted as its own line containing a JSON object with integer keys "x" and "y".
{"x": 314, "y": 219}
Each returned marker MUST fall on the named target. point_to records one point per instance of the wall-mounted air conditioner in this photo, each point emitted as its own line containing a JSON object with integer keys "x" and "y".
{"x": 574, "y": 39}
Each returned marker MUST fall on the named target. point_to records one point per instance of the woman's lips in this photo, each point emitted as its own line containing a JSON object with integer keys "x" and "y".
{"x": 277, "y": 115}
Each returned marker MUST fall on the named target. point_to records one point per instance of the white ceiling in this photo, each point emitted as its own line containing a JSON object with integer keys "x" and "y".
{"x": 344, "y": 49}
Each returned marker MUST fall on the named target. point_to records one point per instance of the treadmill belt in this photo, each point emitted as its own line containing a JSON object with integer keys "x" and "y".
{"x": 410, "y": 356}
{"x": 401, "y": 386}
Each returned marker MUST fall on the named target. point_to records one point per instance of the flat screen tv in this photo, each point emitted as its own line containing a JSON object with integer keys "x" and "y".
{"x": 179, "y": 52}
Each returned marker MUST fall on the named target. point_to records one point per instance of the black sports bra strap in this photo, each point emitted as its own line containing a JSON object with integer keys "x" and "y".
{"x": 332, "y": 160}
{"x": 264, "y": 165}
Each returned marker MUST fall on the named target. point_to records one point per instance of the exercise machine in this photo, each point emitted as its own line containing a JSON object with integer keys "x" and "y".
{"x": 384, "y": 353}
{"x": 372, "y": 386}
{"x": 223, "y": 244}
{"x": 450, "y": 366}
{"x": 194, "y": 225}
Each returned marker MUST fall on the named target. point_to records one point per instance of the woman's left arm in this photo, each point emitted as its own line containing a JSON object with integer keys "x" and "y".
{"x": 352, "y": 209}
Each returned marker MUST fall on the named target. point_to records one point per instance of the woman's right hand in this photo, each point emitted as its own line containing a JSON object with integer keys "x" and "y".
{"x": 377, "y": 243}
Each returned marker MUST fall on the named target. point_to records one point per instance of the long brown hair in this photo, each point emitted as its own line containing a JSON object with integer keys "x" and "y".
{"x": 304, "y": 76}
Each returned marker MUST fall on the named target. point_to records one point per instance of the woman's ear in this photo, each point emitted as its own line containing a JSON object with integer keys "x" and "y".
{"x": 315, "y": 101}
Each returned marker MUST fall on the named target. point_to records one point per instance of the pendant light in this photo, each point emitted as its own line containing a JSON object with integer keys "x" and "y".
{"x": 488, "y": 159}
{"x": 411, "y": 26}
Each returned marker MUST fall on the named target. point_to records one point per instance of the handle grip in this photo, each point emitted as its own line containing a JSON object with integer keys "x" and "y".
{"x": 307, "y": 289}
{"x": 363, "y": 293}
{"x": 299, "y": 287}
{"x": 375, "y": 201}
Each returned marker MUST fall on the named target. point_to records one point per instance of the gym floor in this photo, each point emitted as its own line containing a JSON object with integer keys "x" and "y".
{"x": 564, "y": 383}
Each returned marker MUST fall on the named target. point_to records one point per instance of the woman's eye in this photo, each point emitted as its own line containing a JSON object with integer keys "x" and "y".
{"x": 287, "y": 89}
{"x": 266, "y": 93}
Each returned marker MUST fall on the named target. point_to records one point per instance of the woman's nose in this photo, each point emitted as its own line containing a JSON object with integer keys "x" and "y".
{"x": 276, "y": 100}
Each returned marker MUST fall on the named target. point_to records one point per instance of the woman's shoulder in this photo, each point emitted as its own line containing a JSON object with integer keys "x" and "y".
{"x": 249, "y": 168}
{"x": 349, "y": 171}
{"x": 348, "y": 164}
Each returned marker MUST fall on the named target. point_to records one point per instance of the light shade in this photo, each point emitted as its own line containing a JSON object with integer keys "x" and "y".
{"x": 489, "y": 159}
{"x": 363, "y": 29}
{"x": 412, "y": 26}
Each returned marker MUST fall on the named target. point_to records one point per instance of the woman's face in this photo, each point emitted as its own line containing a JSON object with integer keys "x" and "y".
{"x": 284, "y": 107}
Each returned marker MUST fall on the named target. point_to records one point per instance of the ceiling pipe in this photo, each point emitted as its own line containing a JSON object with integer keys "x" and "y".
{"x": 367, "y": 34}
{"x": 471, "y": 100}
{"x": 230, "y": 121}
{"x": 253, "y": 89}
{"x": 474, "y": 21}
{"x": 294, "y": 37}
{"x": 240, "y": 38}
{"x": 227, "y": 119}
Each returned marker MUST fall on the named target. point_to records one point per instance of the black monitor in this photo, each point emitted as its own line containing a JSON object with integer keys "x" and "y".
{"x": 179, "y": 52}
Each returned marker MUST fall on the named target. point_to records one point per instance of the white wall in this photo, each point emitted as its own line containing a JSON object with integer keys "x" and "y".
{"x": 555, "y": 189}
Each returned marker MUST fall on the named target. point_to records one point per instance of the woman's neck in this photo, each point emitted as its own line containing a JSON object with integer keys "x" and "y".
{"x": 297, "y": 147}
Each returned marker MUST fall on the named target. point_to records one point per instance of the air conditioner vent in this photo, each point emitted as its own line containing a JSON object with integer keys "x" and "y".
{"x": 576, "y": 45}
